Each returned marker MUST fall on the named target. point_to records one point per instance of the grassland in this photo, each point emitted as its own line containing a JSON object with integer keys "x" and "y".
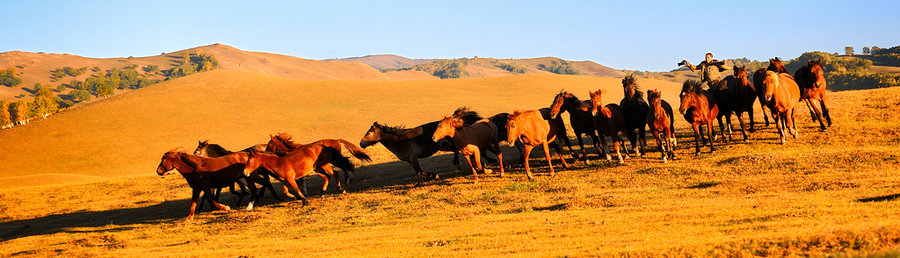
{"x": 833, "y": 192}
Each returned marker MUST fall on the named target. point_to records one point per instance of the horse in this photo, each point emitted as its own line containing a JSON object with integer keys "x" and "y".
{"x": 811, "y": 80}
{"x": 699, "y": 108}
{"x": 661, "y": 121}
{"x": 775, "y": 65}
{"x": 470, "y": 140}
{"x": 739, "y": 95}
{"x": 300, "y": 162}
{"x": 501, "y": 120}
{"x": 205, "y": 149}
{"x": 635, "y": 110}
{"x": 609, "y": 121}
{"x": 782, "y": 95}
{"x": 202, "y": 174}
{"x": 282, "y": 144}
{"x": 533, "y": 128}
{"x": 412, "y": 144}
{"x": 580, "y": 118}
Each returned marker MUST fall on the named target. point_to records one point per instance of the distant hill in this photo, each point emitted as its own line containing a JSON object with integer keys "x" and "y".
{"x": 479, "y": 67}
{"x": 382, "y": 62}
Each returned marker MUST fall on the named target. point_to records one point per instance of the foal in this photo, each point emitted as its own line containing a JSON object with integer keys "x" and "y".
{"x": 662, "y": 122}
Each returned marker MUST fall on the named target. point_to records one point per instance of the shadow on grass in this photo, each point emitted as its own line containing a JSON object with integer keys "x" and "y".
{"x": 884, "y": 198}
{"x": 704, "y": 185}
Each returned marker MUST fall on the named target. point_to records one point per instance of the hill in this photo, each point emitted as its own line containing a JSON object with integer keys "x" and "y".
{"x": 830, "y": 193}
{"x": 36, "y": 67}
{"x": 126, "y": 134}
{"x": 382, "y": 62}
{"x": 479, "y": 67}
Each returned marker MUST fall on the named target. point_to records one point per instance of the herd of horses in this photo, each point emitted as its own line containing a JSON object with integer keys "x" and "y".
{"x": 211, "y": 167}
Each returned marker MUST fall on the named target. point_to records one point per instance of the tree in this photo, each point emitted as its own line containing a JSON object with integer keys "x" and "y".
{"x": 45, "y": 103}
{"x": 18, "y": 111}
{"x": 8, "y": 78}
{"x": 866, "y": 51}
{"x": 105, "y": 90}
{"x": 848, "y": 50}
{"x": 80, "y": 95}
{"x": 5, "y": 120}
{"x": 875, "y": 50}
{"x": 60, "y": 88}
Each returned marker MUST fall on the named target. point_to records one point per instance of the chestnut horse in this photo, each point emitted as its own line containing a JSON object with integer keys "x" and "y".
{"x": 534, "y": 128}
{"x": 699, "y": 108}
{"x": 739, "y": 94}
{"x": 635, "y": 109}
{"x": 580, "y": 118}
{"x": 661, "y": 121}
{"x": 609, "y": 121}
{"x": 300, "y": 162}
{"x": 202, "y": 174}
{"x": 282, "y": 144}
{"x": 205, "y": 149}
{"x": 811, "y": 80}
{"x": 470, "y": 140}
{"x": 412, "y": 144}
{"x": 775, "y": 65}
{"x": 782, "y": 95}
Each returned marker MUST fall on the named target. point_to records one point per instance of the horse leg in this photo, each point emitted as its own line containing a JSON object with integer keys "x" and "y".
{"x": 527, "y": 165}
{"x": 709, "y": 131}
{"x": 721, "y": 129}
{"x": 792, "y": 123}
{"x": 581, "y": 145}
{"x": 662, "y": 150}
{"x": 669, "y": 144}
{"x": 778, "y": 125}
{"x": 474, "y": 172}
{"x": 547, "y": 156}
{"x": 267, "y": 183}
{"x": 818, "y": 114}
{"x": 202, "y": 200}
{"x": 414, "y": 162}
{"x": 565, "y": 138}
{"x": 697, "y": 137}
{"x": 496, "y": 149}
{"x": 642, "y": 136}
{"x": 325, "y": 175}
{"x": 242, "y": 183}
{"x": 214, "y": 203}
{"x": 752, "y": 123}
{"x": 740, "y": 118}
{"x": 809, "y": 105}
{"x": 194, "y": 196}
{"x": 330, "y": 170}
{"x": 558, "y": 150}
{"x": 300, "y": 195}
{"x": 284, "y": 189}
{"x": 596, "y": 142}
{"x": 825, "y": 110}
{"x": 762, "y": 108}
{"x": 632, "y": 138}
{"x": 729, "y": 126}
{"x": 253, "y": 196}
{"x": 605, "y": 147}
{"x": 619, "y": 143}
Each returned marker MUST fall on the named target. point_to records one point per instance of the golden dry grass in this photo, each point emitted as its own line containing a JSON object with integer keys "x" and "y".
{"x": 833, "y": 192}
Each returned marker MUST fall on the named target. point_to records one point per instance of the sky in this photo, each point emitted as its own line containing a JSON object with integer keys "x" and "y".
{"x": 634, "y": 35}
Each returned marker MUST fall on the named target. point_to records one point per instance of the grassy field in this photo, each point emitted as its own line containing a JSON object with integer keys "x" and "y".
{"x": 833, "y": 192}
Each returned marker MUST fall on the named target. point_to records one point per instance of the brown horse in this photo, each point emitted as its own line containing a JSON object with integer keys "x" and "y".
{"x": 635, "y": 110}
{"x": 782, "y": 95}
{"x": 699, "y": 108}
{"x": 811, "y": 80}
{"x": 202, "y": 174}
{"x": 211, "y": 150}
{"x": 470, "y": 140}
{"x": 776, "y": 65}
{"x": 300, "y": 162}
{"x": 533, "y": 128}
{"x": 609, "y": 121}
{"x": 661, "y": 121}
{"x": 739, "y": 94}
{"x": 580, "y": 118}
{"x": 758, "y": 78}
{"x": 282, "y": 144}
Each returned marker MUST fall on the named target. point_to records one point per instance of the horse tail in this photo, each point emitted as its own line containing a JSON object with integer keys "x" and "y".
{"x": 355, "y": 150}
{"x": 339, "y": 160}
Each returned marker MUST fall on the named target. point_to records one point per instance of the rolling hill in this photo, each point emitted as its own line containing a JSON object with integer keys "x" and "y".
{"x": 382, "y": 62}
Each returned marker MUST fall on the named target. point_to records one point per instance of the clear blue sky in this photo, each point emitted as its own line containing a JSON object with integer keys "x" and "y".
{"x": 641, "y": 35}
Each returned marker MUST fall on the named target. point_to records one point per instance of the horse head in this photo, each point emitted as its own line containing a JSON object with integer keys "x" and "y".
{"x": 629, "y": 84}
{"x": 447, "y": 127}
{"x": 816, "y": 73}
{"x": 201, "y": 148}
{"x": 771, "y": 82}
{"x": 690, "y": 92}
{"x": 372, "y": 136}
{"x": 558, "y": 101}
{"x": 595, "y": 100}
{"x": 513, "y": 128}
{"x": 168, "y": 161}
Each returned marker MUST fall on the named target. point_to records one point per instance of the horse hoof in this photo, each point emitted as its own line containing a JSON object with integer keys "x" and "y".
{"x": 488, "y": 171}
{"x": 665, "y": 160}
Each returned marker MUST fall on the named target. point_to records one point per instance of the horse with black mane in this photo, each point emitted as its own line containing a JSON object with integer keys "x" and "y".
{"x": 281, "y": 144}
{"x": 470, "y": 139}
{"x": 212, "y": 150}
{"x": 699, "y": 108}
{"x": 635, "y": 110}
{"x": 736, "y": 97}
{"x": 811, "y": 80}
{"x": 661, "y": 121}
{"x": 609, "y": 121}
{"x": 580, "y": 118}
{"x": 203, "y": 174}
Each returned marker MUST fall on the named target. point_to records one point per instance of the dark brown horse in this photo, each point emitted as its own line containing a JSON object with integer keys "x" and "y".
{"x": 635, "y": 109}
{"x": 609, "y": 121}
{"x": 470, "y": 140}
{"x": 412, "y": 144}
{"x": 580, "y": 118}
{"x": 661, "y": 121}
{"x": 811, "y": 80}
{"x": 300, "y": 162}
{"x": 206, "y": 149}
{"x": 737, "y": 98}
{"x": 282, "y": 144}
{"x": 699, "y": 108}
{"x": 782, "y": 95}
{"x": 533, "y": 128}
{"x": 202, "y": 174}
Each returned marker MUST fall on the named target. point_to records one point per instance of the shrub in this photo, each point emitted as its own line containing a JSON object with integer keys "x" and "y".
{"x": 560, "y": 66}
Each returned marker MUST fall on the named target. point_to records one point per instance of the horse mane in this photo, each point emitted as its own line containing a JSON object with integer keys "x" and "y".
{"x": 191, "y": 160}
{"x": 467, "y": 115}
{"x": 651, "y": 94}
{"x": 217, "y": 148}
{"x": 775, "y": 80}
{"x": 692, "y": 86}
{"x": 285, "y": 138}
{"x": 399, "y": 131}
{"x": 631, "y": 82}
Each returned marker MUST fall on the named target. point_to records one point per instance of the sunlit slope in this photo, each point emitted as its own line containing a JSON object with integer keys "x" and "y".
{"x": 127, "y": 134}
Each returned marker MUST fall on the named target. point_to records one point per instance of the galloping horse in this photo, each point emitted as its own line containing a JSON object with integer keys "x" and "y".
{"x": 782, "y": 95}
{"x": 298, "y": 163}
{"x": 202, "y": 174}
{"x": 609, "y": 121}
{"x": 470, "y": 140}
{"x": 740, "y": 95}
{"x": 412, "y": 144}
{"x": 635, "y": 109}
{"x": 699, "y": 108}
{"x": 775, "y": 65}
{"x": 282, "y": 144}
{"x": 661, "y": 121}
{"x": 205, "y": 149}
{"x": 580, "y": 118}
{"x": 501, "y": 120}
{"x": 811, "y": 80}
{"x": 533, "y": 128}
